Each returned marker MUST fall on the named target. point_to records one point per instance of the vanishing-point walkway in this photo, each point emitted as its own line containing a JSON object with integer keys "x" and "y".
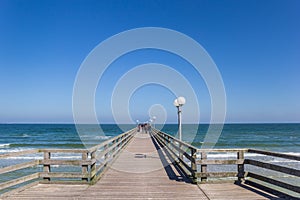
{"x": 141, "y": 172}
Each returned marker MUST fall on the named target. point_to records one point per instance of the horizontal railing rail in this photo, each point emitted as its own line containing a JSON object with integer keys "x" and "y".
{"x": 107, "y": 153}
{"x": 23, "y": 164}
{"x": 195, "y": 162}
{"x": 182, "y": 153}
{"x": 237, "y": 159}
{"x": 285, "y": 170}
{"x": 53, "y": 164}
{"x": 56, "y": 166}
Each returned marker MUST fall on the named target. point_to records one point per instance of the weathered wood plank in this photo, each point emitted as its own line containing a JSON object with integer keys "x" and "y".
{"x": 63, "y": 175}
{"x": 220, "y": 162}
{"x": 274, "y": 182}
{"x": 20, "y": 153}
{"x": 280, "y": 155}
{"x": 67, "y": 162}
{"x": 110, "y": 149}
{"x": 18, "y": 166}
{"x": 62, "y": 182}
{"x": 270, "y": 166}
{"x": 79, "y": 151}
{"x": 216, "y": 174}
{"x": 92, "y": 149}
{"x": 183, "y": 165}
{"x": 221, "y": 150}
{"x": 19, "y": 181}
{"x": 165, "y": 136}
{"x": 19, "y": 189}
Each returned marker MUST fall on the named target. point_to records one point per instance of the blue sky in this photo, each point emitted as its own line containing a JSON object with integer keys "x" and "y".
{"x": 255, "y": 44}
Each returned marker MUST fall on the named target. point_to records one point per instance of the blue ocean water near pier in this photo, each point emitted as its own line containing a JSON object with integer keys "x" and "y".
{"x": 271, "y": 137}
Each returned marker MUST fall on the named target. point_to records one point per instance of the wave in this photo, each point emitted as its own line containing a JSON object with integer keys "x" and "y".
{"x": 35, "y": 157}
{"x": 4, "y": 145}
{"x": 249, "y": 155}
{"x": 99, "y": 137}
{"x": 12, "y": 150}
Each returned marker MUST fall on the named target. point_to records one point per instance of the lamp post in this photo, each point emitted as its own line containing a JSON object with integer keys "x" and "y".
{"x": 180, "y": 101}
{"x": 154, "y": 118}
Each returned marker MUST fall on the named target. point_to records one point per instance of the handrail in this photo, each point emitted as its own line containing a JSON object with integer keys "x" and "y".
{"x": 200, "y": 173}
{"x": 286, "y": 170}
{"x": 19, "y": 153}
{"x": 20, "y": 166}
{"x": 110, "y": 149}
{"x": 85, "y": 159}
{"x": 179, "y": 151}
{"x": 275, "y": 154}
{"x": 175, "y": 139}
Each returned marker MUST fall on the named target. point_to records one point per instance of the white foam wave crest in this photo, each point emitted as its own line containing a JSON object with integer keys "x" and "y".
{"x": 41, "y": 157}
{"x": 12, "y": 150}
{"x": 98, "y": 137}
{"x": 4, "y": 145}
{"x": 249, "y": 155}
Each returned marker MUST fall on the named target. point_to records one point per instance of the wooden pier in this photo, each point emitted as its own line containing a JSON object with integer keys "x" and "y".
{"x": 137, "y": 165}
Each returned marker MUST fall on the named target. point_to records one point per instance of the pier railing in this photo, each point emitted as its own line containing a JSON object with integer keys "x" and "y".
{"x": 286, "y": 175}
{"x": 182, "y": 153}
{"x": 28, "y": 179}
{"x": 65, "y": 166}
{"x": 207, "y": 165}
{"x": 85, "y": 166}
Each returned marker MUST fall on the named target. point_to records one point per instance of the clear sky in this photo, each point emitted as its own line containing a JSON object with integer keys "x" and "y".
{"x": 254, "y": 43}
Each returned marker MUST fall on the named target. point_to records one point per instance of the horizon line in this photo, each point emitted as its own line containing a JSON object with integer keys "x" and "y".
{"x": 110, "y": 123}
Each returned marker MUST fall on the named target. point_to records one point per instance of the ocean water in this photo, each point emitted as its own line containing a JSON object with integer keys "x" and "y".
{"x": 272, "y": 137}
{"x": 16, "y": 137}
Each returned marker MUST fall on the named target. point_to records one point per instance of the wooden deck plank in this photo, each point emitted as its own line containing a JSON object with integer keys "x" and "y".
{"x": 141, "y": 171}
{"x": 226, "y": 191}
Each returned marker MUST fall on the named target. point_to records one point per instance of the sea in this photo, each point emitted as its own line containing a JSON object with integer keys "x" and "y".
{"x": 271, "y": 137}
{"x": 280, "y": 137}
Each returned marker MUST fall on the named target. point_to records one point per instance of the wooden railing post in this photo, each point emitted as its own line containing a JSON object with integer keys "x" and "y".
{"x": 106, "y": 154}
{"x": 118, "y": 139}
{"x": 46, "y": 167}
{"x": 194, "y": 165}
{"x": 240, "y": 167}
{"x": 203, "y": 167}
{"x": 93, "y": 166}
{"x": 170, "y": 142}
{"x": 113, "y": 150}
{"x": 180, "y": 153}
{"x": 84, "y": 167}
